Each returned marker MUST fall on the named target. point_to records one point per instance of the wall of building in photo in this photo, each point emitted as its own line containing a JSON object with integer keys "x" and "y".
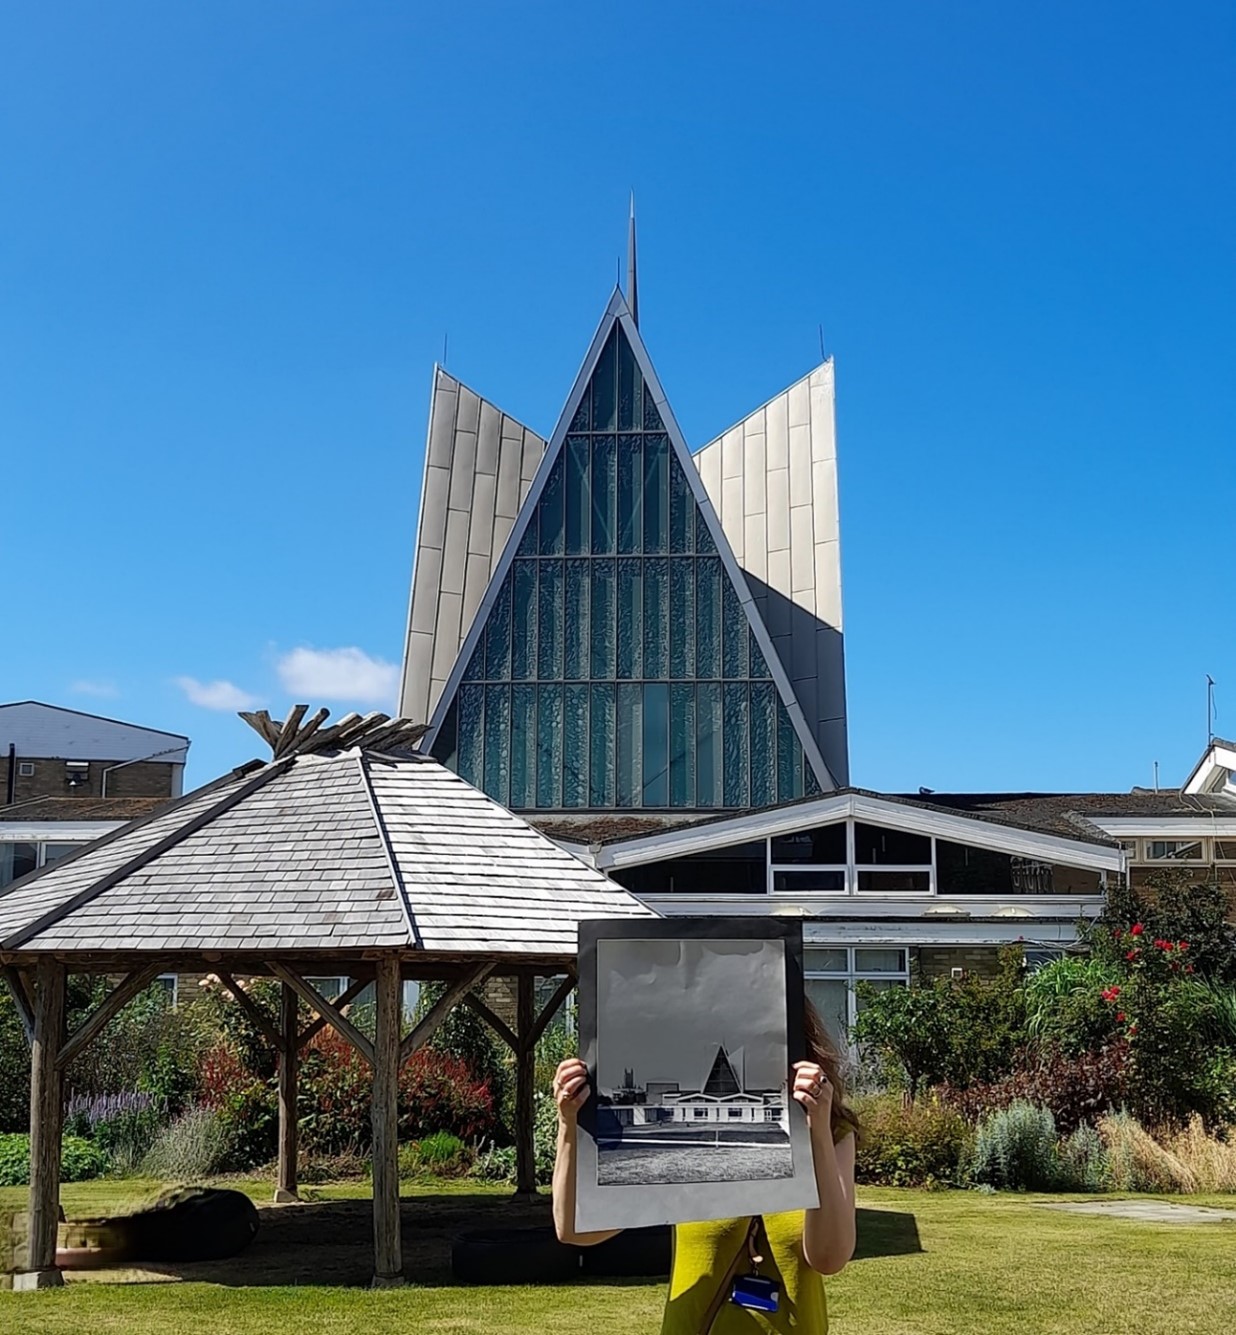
{"x": 722, "y": 1097}
{"x": 637, "y": 642}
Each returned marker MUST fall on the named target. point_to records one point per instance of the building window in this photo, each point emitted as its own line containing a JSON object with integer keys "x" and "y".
{"x": 740, "y": 869}
{"x": 617, "y": 667}
{"x": 891, "y": 861}
{"x": 1175, "y": 850}
{"x": 17, "y": 859}
{"x": 1225, "y": 850}
{"x": 832, "y": 975}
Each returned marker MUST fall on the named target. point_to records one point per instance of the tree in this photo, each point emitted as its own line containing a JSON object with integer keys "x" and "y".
{"x": 908, "y": 1026}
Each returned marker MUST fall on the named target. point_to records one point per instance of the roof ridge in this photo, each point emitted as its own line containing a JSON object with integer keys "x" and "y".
{"x": 392, "y": 862}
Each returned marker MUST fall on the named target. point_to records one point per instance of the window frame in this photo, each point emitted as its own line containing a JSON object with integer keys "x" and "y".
{"x": 852, "y": 975}
{"x": 1202, "y": 860}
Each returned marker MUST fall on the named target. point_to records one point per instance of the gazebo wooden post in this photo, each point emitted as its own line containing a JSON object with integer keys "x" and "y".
{"x": 289, "y": 1063}
{"x": 525, "y": 1083}
{"x": 46, "y": 1125}
{"x": 388, "y": 1252}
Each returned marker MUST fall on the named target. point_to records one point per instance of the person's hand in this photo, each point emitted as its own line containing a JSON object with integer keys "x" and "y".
{"x": 814, "y": 1091}
{"x": 570, "y": 1088}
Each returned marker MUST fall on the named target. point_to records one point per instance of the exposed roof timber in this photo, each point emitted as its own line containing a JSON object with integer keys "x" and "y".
{"x": 979, "y": 833}
{"x": 617, "y": 312}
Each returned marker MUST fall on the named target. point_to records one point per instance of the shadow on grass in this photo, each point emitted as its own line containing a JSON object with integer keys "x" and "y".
{"x": 331, "y": 1243}
{"x": 886, "y": 1233}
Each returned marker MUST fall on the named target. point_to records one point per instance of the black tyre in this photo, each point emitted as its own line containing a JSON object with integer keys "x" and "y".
{"x": 634, "y": 1251}
{"x": 514, "y": 1256}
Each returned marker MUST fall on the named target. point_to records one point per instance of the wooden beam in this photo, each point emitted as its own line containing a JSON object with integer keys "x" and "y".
{"x": 441, "y": 1008}
{"x": 289, "y": 728}
{"x": 525, "y": 1082}
{"x": 107, "y": 1009}
{"x": 46, "y": 1127}
{"x": 265, "y": 727}
{"x": 565, "y": 988}
{"x": 495, "y": 1022}
{"x": 21, "y": 999}
{"x": 315, "y": 1001}
{"x": 250, "y": 1007}
{"x": 354, "y": 989}
{"x": 289, "y": 1125}
{"x": 387, "y": 1248}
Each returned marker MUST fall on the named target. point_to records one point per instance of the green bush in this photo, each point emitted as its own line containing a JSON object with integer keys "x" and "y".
{"x": 1015, "y": 1149}
{"x": 79, "y": 1160}
{"x": 923, "y": 1144}
{"x": 496, "y": 1163}
{"x": 195, "y": 1145}
{"x": 441, "y": 1154}
{"x": 1084, "y": 1164}
{"x": 1064, "y": 1003}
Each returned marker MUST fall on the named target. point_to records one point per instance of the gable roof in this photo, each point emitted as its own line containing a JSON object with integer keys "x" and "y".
{"x": 319, "y": 854}
{"x": 54, "y": 732}
{"x": 479, "y": 464}
{"x": 618, "y": 314}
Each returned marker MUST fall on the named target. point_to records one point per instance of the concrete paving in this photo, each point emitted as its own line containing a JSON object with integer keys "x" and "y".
{"x": 1149, "y": 1212}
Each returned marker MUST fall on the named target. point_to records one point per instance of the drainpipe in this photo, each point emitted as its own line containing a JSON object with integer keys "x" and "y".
{"x": 11, "y": 785}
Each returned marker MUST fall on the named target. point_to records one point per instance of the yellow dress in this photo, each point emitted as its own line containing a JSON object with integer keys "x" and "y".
{"x": 702, "y": 1255}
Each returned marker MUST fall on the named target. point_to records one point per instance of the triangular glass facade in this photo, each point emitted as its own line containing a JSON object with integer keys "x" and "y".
{"x": 617, "y": 668}
{"x": 721, "y": 1080}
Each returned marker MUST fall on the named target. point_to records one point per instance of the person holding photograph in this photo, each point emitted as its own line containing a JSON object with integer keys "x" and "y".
{"x": 790, "y": 1251}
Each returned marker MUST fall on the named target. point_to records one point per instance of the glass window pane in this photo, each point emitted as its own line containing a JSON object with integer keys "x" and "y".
{"x": 704, "y": 544}
{"x": 604, "y": 388}
{"x": 682, "y": 745}
{"x": 682, "y": 618}
{"x": 823, "y": 846}
{"x": 630, "y": 494}
{"x": 789, "y": 757}
{"x": 523, "y": 622}
{"x": 549, "y": 512}
{"x": 471, "y": 735}
{"x": 16, "y": 859}
{"x": 630, "y": 745}
{"x": 869, "y": 959}
{"x": 578, "y": 500}
{"x": 582, "y": 421}
{"x": 1225, "y": 850}
{"x": 628, "y": 388}
{"x": 602, "y": 769}
{"x": 497, "y": 741}
{"x": 1173, "y": 850}
{"x": 604, "y": 491}
{"x": 656, "y": 618}
{"x": 830, "y": 997}
{"x": 54, "y": 852}
{"x": 549, "y": 746}
{"x": 604, "y": 634}
{"x": 656, "y": 493}
{"x": 961, "y": 870}
{"x": 877, "y": 846}
{"x": 656, "y": 745}
{"x": 523, "y": 747}
{"x": 734, "y": 631}
{"x": 880, "y": 985}
{"x": 445, "y": 747}
{"x": 737, "y": 737}
{"x": 549, "y": 645}
{"x": 498, "y": 636}
{"x": 682, "y": 510}
{"x": 763, "y": 744}
{"x": 475, "y": 671}
{"x": 895, "y": 882}
{"x": 652, "y": 418}
{"x": 630, "y": 618}
{"x": 759, "y": 664}
{"x": 708, "y": 618}
{"x": 578, "y": 646}
{"x": 575, "y": 754}
{"x": 825, "y": 959}
{"x": 810, "y": 882}
{"x": 738, "y": 870}
{"x": 708, "y": 745}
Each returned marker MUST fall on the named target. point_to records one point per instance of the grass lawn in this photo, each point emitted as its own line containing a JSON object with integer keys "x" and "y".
{"x": 945, "y": 1263}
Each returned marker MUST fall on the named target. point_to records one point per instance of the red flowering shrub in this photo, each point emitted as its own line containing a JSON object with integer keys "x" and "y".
{"x": 1076, "y": 1088}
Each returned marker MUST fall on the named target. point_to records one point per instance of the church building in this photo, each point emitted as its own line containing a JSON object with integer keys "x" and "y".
{"x": 638, "y": 646}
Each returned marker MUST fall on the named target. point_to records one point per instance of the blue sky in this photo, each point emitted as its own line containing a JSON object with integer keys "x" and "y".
{"x": 235, "y": 236}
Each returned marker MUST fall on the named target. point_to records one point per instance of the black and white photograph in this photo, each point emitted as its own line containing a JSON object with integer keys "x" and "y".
{"x": 686, "y": 1028}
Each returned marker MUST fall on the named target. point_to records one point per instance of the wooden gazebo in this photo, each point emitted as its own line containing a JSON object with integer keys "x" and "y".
{"x": 345, "y": 854}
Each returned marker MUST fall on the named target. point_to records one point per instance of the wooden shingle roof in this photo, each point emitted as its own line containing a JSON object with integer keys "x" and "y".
{"x": 318, "y": 853}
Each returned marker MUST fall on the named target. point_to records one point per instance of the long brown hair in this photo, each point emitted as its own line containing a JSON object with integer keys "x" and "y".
{"x": 822, "y": 1051}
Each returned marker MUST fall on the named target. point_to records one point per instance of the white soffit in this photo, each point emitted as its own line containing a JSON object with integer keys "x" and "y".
{"x": 772, "y": 479}
{"x": 479, "y": 465}
{"x": 1214, "y": 772}
{"x": 803, "y": 815}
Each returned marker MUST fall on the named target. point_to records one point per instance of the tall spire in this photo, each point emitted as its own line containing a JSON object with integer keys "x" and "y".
{"x": 632, "y": 283}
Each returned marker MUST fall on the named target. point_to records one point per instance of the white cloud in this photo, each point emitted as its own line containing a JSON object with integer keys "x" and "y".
{"x": 338, "y": 674}
{"x": 103, "y": 690}
{"x": 216, "y": 694}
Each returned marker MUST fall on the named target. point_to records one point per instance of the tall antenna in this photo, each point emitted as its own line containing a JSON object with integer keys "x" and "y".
{"x": 446, "y": 338}
{"x": 632, "y": 281}
{"x": 1156, "y": 776}
{"x": 1210, "y": 709}
{"x": 822, "y": 357}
